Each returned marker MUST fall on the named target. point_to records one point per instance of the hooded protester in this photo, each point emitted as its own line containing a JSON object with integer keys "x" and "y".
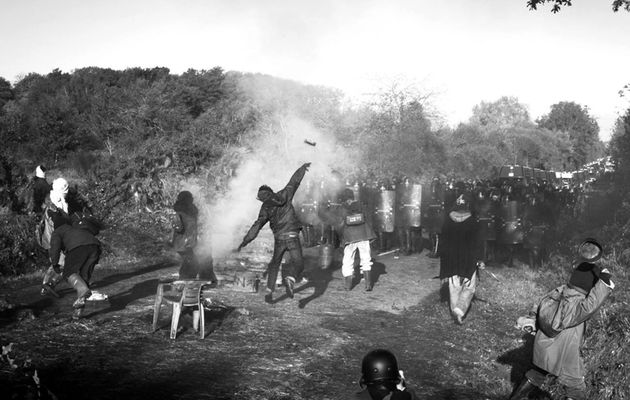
{"x": 557, "y": 356}
{"x": 382, "y": 378}
{"x": 41, "y": 188}
{"x": 277, "y": 209}
{"x": 82, "y": 251}
{"x": 185, "y": 233}
{"x": 55, "y": 204}
{"x": 460, "y": 253}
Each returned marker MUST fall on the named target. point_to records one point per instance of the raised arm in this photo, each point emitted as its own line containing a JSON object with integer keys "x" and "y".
{"x": 295, "y": 180}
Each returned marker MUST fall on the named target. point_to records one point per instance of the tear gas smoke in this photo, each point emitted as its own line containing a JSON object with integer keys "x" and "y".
{"x": 275, "y": 157}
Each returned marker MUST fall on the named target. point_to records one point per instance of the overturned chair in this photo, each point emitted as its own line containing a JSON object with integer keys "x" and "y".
{"x": 181, "y": 294}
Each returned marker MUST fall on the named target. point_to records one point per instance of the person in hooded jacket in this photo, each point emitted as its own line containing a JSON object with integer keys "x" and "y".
{"x": 185, "y": 231}
{"x": 460, "y": 254}
{"x": 277, "y": 209}
{"x": 54, "y": 204}
{"x": 41, "y": 189}
{"x": 558, "y": 357}
{"x": 82, "y": 250}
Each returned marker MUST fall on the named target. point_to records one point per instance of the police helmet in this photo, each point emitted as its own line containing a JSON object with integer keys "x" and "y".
{"x": 379, "y": 365}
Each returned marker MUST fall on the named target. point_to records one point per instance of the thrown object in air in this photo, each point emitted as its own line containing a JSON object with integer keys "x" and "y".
{"x": 310, "y": 143}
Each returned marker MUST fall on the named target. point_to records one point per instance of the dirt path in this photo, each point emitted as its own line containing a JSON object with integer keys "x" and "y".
{"x": 309, "y": 347}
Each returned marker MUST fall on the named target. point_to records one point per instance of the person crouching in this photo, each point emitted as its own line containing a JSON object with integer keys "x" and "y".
{"x": 82, "y": 251}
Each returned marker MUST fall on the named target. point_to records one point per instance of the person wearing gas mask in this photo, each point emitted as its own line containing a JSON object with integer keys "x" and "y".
{"x": 460, "y": 256}
{"x": 381, "y": 379}
{"x": 277, "y": 209}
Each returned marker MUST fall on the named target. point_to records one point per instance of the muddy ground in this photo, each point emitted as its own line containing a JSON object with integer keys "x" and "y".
{"x": 309, "y": 347}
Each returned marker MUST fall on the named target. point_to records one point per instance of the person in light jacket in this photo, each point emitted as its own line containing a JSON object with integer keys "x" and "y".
{"x": 558, "y": 357}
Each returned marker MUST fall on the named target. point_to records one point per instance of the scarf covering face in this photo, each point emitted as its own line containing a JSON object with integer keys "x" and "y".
{"x": 39, "y": 172}
{"x": 58, "y": 194}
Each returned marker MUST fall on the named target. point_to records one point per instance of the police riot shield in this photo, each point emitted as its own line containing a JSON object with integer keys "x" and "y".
{"x": 308, "y": 206}
{"x": 409, "y": 204}
{"x": 486, "y": 211}
{"x": 385, "y": 212}
{"x": 510, "y": 229}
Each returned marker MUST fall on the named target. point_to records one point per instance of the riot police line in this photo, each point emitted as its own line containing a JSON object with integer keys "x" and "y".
{"x": 515, "y": 211}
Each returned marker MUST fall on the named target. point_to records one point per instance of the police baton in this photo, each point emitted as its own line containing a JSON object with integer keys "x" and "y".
{"x": 482, "y": 267}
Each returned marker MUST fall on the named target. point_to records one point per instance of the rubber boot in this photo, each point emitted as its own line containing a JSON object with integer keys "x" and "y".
{"x": 348, "y": 282}
{"x": 522, "y": 391}
{"x": 368, "y": 280}
{"x": 83, "y": 292}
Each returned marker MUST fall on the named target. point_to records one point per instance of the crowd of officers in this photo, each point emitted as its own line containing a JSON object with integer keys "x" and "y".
{"x": 407, "y": 215}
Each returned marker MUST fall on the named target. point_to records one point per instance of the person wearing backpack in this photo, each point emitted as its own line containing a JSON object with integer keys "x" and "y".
{"x": 561, "y": 324}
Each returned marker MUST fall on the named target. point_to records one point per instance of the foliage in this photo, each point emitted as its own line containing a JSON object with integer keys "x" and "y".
{"x": 558, "y": 4}
{"x": 19, "y": 253}
{"x": 503, "y": 114}
{"x": 581, "y": 127}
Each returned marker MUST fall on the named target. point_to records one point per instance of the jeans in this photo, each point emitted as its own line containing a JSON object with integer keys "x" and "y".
{"x": 282, "y": 244}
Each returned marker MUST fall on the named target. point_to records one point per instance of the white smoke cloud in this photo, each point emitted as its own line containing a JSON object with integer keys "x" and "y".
{"x": 276, "y": 155}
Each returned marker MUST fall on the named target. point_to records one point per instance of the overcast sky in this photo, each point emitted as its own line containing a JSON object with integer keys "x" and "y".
{"x": 465, "y": 51}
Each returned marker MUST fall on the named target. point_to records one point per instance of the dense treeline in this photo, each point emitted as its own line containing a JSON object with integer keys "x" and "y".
{"x": 131, "y": 120}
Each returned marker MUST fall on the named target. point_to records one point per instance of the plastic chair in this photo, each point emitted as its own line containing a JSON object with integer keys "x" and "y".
{"x": 181, "y": 294}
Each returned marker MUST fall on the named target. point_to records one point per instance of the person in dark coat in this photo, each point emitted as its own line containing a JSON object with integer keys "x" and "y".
{"x": 277, "y": 209}
{"x": 460, "y": 255}
{"x": 82, "y": 250}
{"x": 382, "y": 378}
{"x": 185, "y": 234}
{"x": 558, "y": 357}
{"x": 41, "y": 189}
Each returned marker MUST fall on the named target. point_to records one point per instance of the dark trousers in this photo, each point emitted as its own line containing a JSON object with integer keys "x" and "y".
{"x": 189, "y": 267}
{"x": 82, "y": 260}
{"x": 296, "y": 264}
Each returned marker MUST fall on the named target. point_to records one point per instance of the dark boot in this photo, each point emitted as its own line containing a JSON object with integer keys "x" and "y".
{"x": 368, "y": 280}
{"x": 348, "y": 282}
{"x": 83, "y": 292}
{"x": 522, "y": 391}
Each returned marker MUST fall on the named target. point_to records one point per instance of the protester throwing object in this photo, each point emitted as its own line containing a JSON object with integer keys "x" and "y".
{"x": 561, "y": 317}
{"x": 277, "y": 209}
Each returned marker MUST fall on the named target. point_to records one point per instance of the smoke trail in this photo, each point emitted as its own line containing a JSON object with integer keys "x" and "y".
{"x": 275, "y": 157}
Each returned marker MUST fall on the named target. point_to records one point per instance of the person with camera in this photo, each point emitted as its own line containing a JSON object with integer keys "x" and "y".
{"x": 381, "y": 379}
{"x": 560, "y": 332}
